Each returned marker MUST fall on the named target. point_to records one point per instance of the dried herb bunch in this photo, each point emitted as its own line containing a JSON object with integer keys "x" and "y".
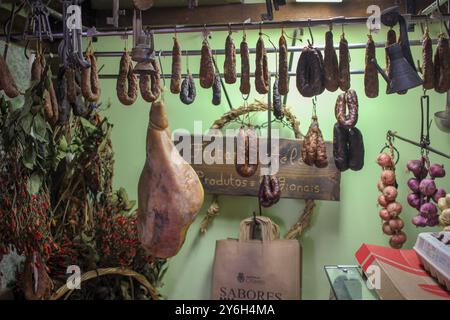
{"x": 57, "y": 205}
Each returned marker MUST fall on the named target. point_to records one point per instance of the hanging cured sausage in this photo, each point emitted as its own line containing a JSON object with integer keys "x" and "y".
{"x": 310, "y": 72}
{"x": 331, "y": 65}
{"x": 314, "y": 149}
{"x": 371, "y": 84}
{"x": 126, "y": 78}
{"x": 188, "y": 91}
{"x": 246, "y": 160}
{"x": 344, "y": 64}
{"x": 261, "y": 69}
{"x": 170, "y": 193}
{"x": 269, "y": 191}
{"x": 427, "y": 64}
{"x": 90, "y": 86}
{"x": 442, "y": 66}
{"x": 149, "y": 84}
{"x": 7, "y": 83}
{"x": 283, "y": 68}
{"x": 229, "y": 66}
{"x": 245, "y": 68}
{"x": 206, "y": 67}
{"x": 175, "y": 81}
{"x": 346, "y": 109}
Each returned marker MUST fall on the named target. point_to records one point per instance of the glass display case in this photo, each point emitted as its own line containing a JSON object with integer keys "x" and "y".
{"x": 347, "y": 282}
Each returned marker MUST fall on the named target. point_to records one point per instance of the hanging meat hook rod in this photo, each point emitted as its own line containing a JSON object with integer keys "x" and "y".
{"x": 249, "y": 26}
{"x": 426, "y": 147}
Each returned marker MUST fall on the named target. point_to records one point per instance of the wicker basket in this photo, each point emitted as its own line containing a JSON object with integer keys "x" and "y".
{"x": 65, "y": 292}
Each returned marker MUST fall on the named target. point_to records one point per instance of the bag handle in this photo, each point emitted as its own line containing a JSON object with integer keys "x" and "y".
{"x": 269, "y": 230}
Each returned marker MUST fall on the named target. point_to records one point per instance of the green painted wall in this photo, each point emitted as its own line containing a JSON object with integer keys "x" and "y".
{"x": 338, "y": 228}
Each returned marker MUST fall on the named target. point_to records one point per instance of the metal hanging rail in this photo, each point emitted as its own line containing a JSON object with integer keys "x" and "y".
{"x": 302, "y": 23}
{"x": 426, "y": 147}
{"x": 166, "y": 53}
{"x": 196, "y": 75}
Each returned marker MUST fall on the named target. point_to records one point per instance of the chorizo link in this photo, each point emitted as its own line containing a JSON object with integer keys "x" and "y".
{"x": 344, "y": 64}
{"x": 331, "y": 65}
{"x": 217, "y": 90}
{"x": 89, "y": 80}
{"x": 229, "y": 66}
{"x": 7, "y": 83}
{"x": 175, "y": 80}
{"x": 246, "y": 158}
{"x": 126, "y": 76}
{"x": 149, "y": 84}
{"x": 188, "y": 92}
{"x": 245, "y": 68}
{"x": 277, "y": 103}
{"x": 427, "y": 64}
{"x": 283, "y": 68}
{"x": 206, "y": 67}
{"x": 71, "y": 85}
{"x": 261, "y": 71}
{"x": 442, "y": 66}
{"x": 347, "y": 100}
{"x": 371, "y": 84}
{"x": 340, "y": 147}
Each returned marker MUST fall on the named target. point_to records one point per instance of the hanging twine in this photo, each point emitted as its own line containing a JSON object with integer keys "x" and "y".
{"x": 211, "y": 213}
{"x": 269, "y": 230}
{"x": 305, "y": 219}
{"x": 303, "y": 222}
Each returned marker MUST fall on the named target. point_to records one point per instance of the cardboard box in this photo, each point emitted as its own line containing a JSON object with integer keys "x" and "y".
{"x": 398, "y": 274}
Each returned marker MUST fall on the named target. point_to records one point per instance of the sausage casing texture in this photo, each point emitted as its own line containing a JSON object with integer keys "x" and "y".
{"x": 53, "y": 102}
{"x": 347, "y": 101}
{"x": 269, "y": 191}
{"x": 371, "y": 84}
{"x": 314, "y": 149}
{"x": 245, "y": 68}
{"x": 206, "y": 67}
{"x": 442, "y": 66}
{"x": 150, "y": 85}
{"x": 321, "y": 152}
{"x": 344, "y": 64}
{"x": 188, "y": 91}
{"x": 331, "y": 64}
{"x": 427, "y": 64}
{"x": 89, "y": 80}
{"x": 246, "y": 161}
{"x": 229, "y": 66}
{"x": 217, "y": 91}
{"x": 37, "y": 68}
{"x": 175, "y": 80}
{"x": 309, "y": 146}
{"x": 283, "y": 68}
{"x": 276, "y": 100}
{"x": 340, "y": 147}
{"x": 126, "y": 77}
{"x": 310, "y": 73}
{"x": 261, "y": 71}
{"x": 7, "y": 83}
{"x": 71, "y": 85}
{"x": 356, "y": 149}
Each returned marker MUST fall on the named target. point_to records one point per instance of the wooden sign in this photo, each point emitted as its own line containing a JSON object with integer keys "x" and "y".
{"x": 297, "y": 180}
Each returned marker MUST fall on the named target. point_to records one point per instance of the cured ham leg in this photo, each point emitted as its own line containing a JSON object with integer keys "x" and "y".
{"x": 170, "y": 193}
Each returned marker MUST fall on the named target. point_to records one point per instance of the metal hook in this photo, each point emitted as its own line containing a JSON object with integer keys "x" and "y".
{"x": 310, "y": 34}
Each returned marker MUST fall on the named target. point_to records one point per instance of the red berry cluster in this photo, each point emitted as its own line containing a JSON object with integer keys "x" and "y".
{"x": 25, "y": 219}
